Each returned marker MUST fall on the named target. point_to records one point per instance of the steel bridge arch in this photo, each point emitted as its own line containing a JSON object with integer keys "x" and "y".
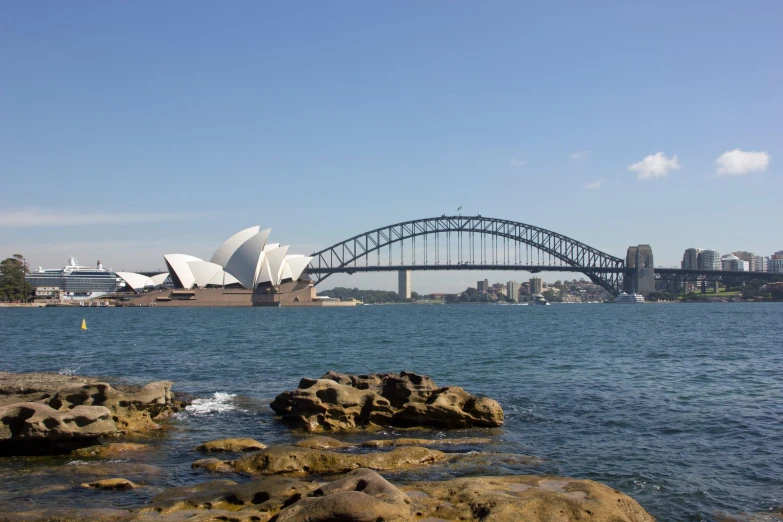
{"x": 602, "y": 268}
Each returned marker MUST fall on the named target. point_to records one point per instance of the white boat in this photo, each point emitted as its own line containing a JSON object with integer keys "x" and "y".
{"x": 629, "y": 298}
{"x": 539, "y": 299}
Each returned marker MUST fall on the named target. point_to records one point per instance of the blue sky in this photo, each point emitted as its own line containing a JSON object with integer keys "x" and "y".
{"x": 131, "y": 130}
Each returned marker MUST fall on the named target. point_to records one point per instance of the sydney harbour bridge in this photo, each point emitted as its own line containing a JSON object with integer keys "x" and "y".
{"x": 483, "y": 243}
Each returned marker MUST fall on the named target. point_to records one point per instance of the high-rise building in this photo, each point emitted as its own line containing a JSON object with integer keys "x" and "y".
{"x": 404, "y": 284}
{"x": 775, "y": 264}
{"x": 536, "y": 285}
{"x": 732, "y": 263}
{"x": 709, "y": 260}
{"x": 482, "y": 286}
{"x": 758, "y": 264}
{"x": 690, "y": 259}
{"x": 512, "y": 290}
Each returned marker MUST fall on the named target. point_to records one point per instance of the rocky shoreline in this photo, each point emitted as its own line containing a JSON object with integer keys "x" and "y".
{"x": 318, "y": 478}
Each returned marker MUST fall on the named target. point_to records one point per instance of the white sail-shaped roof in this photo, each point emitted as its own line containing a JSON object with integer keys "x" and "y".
{"x": 159, "y": 279}
{"x": 246, "y": 261}
{"x": 294, "y": 265}
{"x": 230, "y": 245}
{"x": 204, "y": 271}
{"x": 179, "y": 268}
{"x": 272, "y": 266}
{"x": 223, "y": 278}
{"x": 135, "y": 281}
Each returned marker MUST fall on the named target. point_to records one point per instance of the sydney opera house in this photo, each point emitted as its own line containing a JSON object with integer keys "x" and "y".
{"x": 246, "y": 270}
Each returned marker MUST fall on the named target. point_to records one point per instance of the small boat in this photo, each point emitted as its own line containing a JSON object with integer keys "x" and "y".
{"x": 539, "y": 299}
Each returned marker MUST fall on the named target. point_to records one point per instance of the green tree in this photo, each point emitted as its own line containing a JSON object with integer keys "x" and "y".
{"x": 13, "y": 286}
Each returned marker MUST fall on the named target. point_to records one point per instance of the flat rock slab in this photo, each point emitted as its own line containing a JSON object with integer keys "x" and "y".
{"x": 236, "y": 445}
{"x": 338, "y": 402}
{"x": 528, "y": 498}
{"x": 365, "y": 496}
{"x": 302, "y": 461}
{"x": 112, "y": 484}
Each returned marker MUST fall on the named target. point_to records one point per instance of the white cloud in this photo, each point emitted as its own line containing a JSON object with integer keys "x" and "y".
{"x": 594, "y": 185}
{"x": 579, "y": 155}
{"x": 738, "y": 162}
{"x": 37, "y": 217}
{"x": 655, "y": 166}
{"x": 517, "y": 163}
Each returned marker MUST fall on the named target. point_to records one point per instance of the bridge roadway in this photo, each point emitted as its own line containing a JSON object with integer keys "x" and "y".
{"x": 463, "y": 266}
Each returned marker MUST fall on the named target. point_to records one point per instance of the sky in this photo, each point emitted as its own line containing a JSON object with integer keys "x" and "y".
{"x": 133, "y": 130}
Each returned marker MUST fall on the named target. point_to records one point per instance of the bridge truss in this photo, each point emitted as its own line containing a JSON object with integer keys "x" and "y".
{"x": 467, "y": 243}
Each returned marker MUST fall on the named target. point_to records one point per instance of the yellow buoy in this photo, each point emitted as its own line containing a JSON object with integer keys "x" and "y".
{"x": 84, "y": 324}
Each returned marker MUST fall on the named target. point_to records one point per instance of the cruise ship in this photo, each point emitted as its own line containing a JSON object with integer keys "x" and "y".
{"x": 629, "y": 298}
{"x": 75, "y": 281}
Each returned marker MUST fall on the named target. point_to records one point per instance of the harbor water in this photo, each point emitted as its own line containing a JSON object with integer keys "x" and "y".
{"x": 678, "y": 405}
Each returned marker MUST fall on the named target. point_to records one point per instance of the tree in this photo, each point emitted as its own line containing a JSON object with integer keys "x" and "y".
{"x": 13, "y": 286}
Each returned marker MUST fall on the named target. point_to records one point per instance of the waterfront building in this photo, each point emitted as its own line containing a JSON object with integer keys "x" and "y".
{"x": 404, "y": 284}
{"x": 709, "y": 260}
{"x": 512, "y": 290}
{"x": 482, "y": 286}
{"x": 690, "y": 259}
{"x": 536, "y": 285}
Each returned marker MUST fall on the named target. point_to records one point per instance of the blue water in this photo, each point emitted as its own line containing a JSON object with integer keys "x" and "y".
{"x": 677, "y": 405}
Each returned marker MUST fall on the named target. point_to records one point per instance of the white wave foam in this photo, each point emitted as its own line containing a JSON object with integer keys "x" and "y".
{"x": 219, "y": 402}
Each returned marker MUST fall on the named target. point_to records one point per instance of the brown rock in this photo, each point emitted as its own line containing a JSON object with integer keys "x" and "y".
{"x": 257, "y": 500}
{"x": 321, "y": 442}
{"x": 113, "y": 484}
{"x": 30, "y": 420}
{"x": 361, "y": 496}
{"x": 235, "y": 445}
{"x": 385, "y": 443}
{"x": 212, "y": 465}
{"x": 294, "y": 460}
{"x": 133, "y": 410}
{"x": 323, "y": 404}
{"x": 344, "y": 402}
{"x": 111, "y": 450}
{"x": 451, "y": 407}
{"x": 528, "y": 498}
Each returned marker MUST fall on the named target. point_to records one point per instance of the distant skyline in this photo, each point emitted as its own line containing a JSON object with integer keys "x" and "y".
{"x": 136, "y": 130}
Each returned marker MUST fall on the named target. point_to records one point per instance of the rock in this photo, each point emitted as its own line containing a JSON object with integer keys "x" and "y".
{"x": 361, "y": 496}
{"x": 212, "y": 465}
{"x": 113, "y": 484}
{"x": 385, "y": 443}
{"x": 323, "y": 404}
{"x": 32, "y": 428}
{"x": 231, "y": 445}
{"x": 451, "y": 407}
{"x": 111, "y": 450}
{"x": 320, "y": 442}
{"x": 343, "y": 402}
{"x": 132, "y": 412}
{"x": 82, "y": 514}
{"x": 290, "y": 459}
{"x": 257, "y": 500}
{"x": 529, "y": 498}
{"x": 133, "y": 409}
